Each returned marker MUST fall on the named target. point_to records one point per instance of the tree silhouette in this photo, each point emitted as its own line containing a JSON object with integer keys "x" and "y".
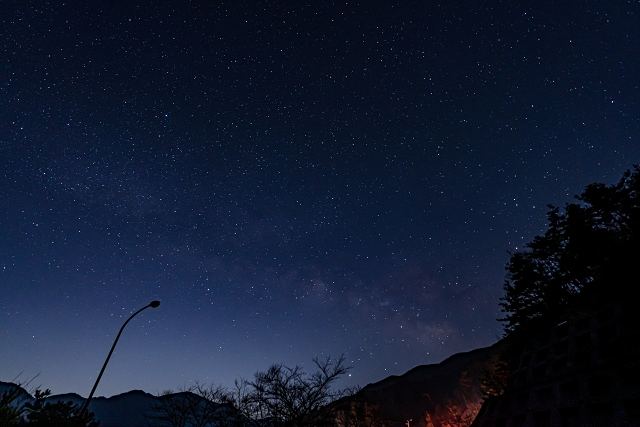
{"x": 281, "y": 396}
{"x": 589, "y": 251}
{"x": 290, "y": 397}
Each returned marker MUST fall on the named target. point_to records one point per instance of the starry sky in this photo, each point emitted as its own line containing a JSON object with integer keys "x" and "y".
{"x": 290, "y": 178}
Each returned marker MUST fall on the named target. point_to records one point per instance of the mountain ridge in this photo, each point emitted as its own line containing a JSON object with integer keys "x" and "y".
{"x": 433, "y": 395}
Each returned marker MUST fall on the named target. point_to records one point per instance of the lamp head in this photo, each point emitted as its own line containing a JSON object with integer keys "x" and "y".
{"x": 154, "y": 304}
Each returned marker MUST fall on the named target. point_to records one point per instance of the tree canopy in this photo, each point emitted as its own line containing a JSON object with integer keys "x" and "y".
{"x": 590, "y": 250}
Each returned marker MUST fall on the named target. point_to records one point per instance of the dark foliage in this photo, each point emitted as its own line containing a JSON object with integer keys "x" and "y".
{"x": 10, "y": 414}
{"x": 494, "y": 379}
{"x": 41, "y": 413}
{"x": 56, "y": 414}
{"x": 357, "y": 413}
{"x": 589, "y": 252}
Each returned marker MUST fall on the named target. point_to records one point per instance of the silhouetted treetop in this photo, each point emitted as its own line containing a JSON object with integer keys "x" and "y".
{"x": 590, "y": 249}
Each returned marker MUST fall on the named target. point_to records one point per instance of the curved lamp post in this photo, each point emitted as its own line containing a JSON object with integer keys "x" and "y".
{"x": 152, "y": 304}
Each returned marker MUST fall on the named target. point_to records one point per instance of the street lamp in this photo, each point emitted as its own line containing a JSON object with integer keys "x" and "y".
{"x": 152, "y": 304}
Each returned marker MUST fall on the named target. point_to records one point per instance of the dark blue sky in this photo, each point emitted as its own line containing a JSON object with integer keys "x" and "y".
{"x": 291, "y": 179}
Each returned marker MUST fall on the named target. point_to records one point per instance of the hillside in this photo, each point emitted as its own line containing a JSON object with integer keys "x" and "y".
{"x": 437, "y": 395}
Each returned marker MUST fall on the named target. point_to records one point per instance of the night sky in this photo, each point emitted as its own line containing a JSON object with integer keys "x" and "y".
{"x": 290, "y": 179}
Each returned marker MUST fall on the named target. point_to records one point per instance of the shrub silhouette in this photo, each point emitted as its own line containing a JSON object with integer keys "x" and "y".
{"x": 56, "y": 414}
{"x": 10, "y": 414}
